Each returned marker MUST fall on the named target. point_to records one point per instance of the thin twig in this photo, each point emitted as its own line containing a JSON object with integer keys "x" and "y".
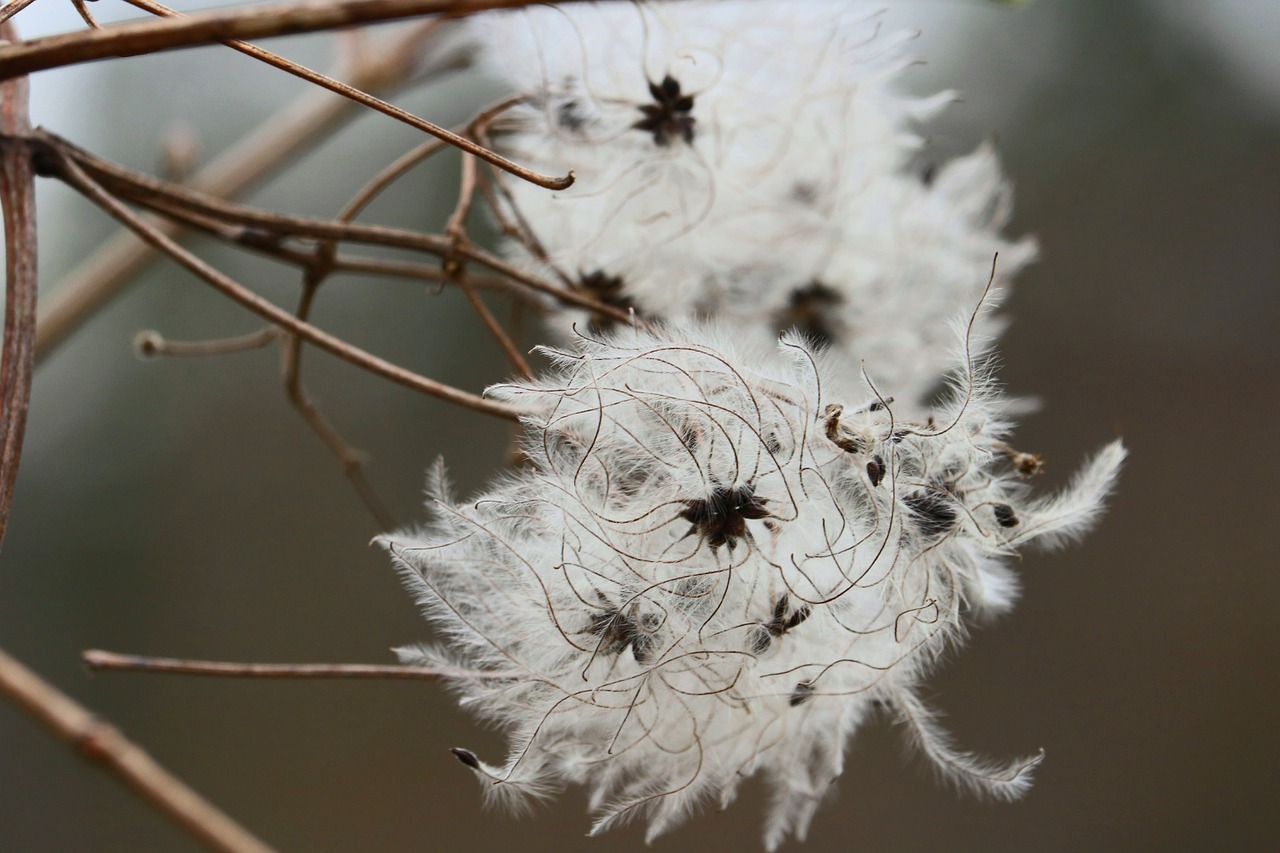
{"x": 163, "y": 196}
{"x": 13, "y": 8}
{"x": 101, "y": 661}
{"x": 103, "y": 744}
{"x": 423, "y": 272}
{"x": 457, "y": 232}
{"x": 348, "y": 457}
{"x": 85, "y": 14}
{"x": 514, "y": 225}
{"x": 495, "y": 328}
{"x": 93, "y": 738}
{"x": 18, "y": 196}
{"x": 151, "y": 343}
{"x": 365, "y": 99}
{"x": 318, "y": 267}
{"x": 282, "y": 137}
{"x": 250, "y": 22}
{"x": 361, "y": 358}
{"x": 395, "y": 170}
{"x": 357, "y": 263}
{"x": 512, "y": 220}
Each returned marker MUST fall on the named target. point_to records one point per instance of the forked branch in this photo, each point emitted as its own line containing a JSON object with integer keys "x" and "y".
{"x": 249, "y": 22}
{"x": 69, "y": 721}
{"x": 365, "y": 99}
{"x": 283, "y": 137}
{"x": 103, "y": 744}
{"x": 77, "y": 178}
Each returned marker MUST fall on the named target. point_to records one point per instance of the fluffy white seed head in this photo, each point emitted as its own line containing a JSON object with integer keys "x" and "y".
{"x": 698, "y": 131}
{"x": 748, "y": 161}
{"x": 716, "y": 563}
{"x": 902, "y": 257}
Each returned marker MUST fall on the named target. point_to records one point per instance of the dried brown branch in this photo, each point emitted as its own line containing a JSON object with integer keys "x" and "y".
{"x": 139, "y": 38}
{"x": 495, "y": 328}
{"x": 12, "y": 8}
{"x": 93, "y": 738}
{"x": 377, "y": 104}
{"x": 511, "y": 219}
{"x": 321, "y": 263}
{"x": 250, "y": 22}
{"x": 513, "y": 224}
{"x": 457, "y": 231}
{"x": 101, "y": 661}
{"x": 85, "y": 14}
{"x": 170, "y": 199}
{"x": 18, "y": 195}
{"x": 103, "y": 744}
{"x": 348, "y": 457}
{"x": 318, "y": 267}
{"x": 283, "y": 137}
{"x": 395, "y": 170}
{"x": 79, "y": 180}
{"x": 359, "y": 263}
{"x": 151, "y": 343}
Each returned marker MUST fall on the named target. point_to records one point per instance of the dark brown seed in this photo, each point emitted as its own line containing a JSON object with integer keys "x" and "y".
{"x": 642, "y": 647}
{"x": 796, "y": 618}
{"x": 803, "y": 693}
{"x": 569, "y": 115}
{"x": 668, "y": 116}
{"x": 722, "y": 517}
{"x": 812, "y": 309}
{"x": 875, "y": 471}
{"x": 608, "y": 290}
{"x": 466, "y": 756}
{"x": 844, "y": 440}
{"x": 1004, "y": 515}
{"x": 933, "y": 514}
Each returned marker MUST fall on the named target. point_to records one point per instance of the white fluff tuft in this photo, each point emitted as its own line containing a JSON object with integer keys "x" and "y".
{"x": 747, "y": 161}
{"x": 717, "y": 559}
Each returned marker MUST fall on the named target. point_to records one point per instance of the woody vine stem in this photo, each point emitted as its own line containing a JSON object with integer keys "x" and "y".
{"x": 312, "y": 245}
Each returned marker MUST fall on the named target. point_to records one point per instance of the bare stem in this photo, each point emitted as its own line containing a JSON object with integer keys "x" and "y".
{"x": 12, "y": 8}
{"x": 385, "y": 178}
{"x": 170, "y": 199}
{"x": 365, "y": 99}
{"x": 151, "y": 343}
{"x": 85, "y": 14}
{"x": 281, "y": 138}
{"x": 101, "y": 661}
{"x": 457, "y": 232}
{"x": 103, "y": 744}
{"x": 256, "y": 21}
{"x": 17, "y": 194}
{"x": 238, "y": 293}
{"x": 348, "y": 457}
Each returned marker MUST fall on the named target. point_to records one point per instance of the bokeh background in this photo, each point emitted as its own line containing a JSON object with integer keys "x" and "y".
{"x": 178, "y": 507}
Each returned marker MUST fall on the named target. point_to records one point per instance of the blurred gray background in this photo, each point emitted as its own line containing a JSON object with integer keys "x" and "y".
{"x": 178, "y": 507}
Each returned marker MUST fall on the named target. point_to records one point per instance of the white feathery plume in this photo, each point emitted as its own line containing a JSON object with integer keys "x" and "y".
{"x": 697, "y": 131}
{"x": 904, "y": 256}
{"x": 716, "y": 563}
{"x": 748, "y": 161}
